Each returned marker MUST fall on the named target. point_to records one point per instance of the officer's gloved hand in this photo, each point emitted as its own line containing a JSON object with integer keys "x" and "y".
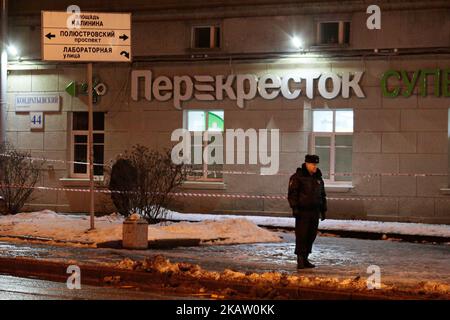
{"x": 323, "y": 215}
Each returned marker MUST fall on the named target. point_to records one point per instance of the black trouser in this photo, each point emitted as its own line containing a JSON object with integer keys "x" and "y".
{"x": 306, "y": 227}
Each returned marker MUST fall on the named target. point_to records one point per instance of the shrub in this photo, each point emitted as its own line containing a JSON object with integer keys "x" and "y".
{"x": 144, "y": 179}
{"x": 18, "y": 175}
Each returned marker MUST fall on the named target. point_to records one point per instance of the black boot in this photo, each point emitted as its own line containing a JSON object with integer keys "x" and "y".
{"x": 300, "y": 262}
{"x": 307, "y": 263}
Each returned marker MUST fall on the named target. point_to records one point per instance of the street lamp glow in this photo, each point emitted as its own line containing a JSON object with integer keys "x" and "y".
{"x": 13, "y": 50}
{"x": 297, "y": 42}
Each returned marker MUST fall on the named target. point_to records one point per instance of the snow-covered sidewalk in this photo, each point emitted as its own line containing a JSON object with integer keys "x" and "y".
{"x": 403, "y": 228}
{"x": 208, "y": 228}
{"x": 72, "y": 229}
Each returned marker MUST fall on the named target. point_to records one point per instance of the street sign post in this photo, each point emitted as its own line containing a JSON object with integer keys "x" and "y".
{"x": 86, "y": 37}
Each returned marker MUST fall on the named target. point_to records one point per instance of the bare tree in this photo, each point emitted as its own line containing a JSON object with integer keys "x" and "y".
{"x": 18, "y": 175}
{"x": 141, "y": 181}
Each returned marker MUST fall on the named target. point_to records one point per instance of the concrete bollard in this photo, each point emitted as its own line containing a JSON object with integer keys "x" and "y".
{"x": 135, "y": 233}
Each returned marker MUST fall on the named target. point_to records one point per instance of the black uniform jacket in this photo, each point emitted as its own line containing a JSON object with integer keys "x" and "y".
{"x": 306, "y": 193}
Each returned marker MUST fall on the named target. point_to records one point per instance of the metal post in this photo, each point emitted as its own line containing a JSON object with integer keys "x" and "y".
{"x": 448, "y": 136}
{"x": 91, "y": 145}
{"x": 3, "y": 69}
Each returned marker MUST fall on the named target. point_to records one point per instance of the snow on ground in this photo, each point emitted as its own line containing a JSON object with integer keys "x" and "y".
{"x": 422, "y": 229}
{"x": 231, "y": 231}
{"x": 73, "y": 228}
{"x": 161, "y": 264}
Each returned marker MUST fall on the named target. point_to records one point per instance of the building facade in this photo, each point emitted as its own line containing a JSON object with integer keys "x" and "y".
{"x": 373, "y": 103}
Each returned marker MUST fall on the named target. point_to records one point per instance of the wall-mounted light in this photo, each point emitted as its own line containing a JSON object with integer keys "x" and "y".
{"x": 297, "y": 42}
{"x": 13, "y": 50}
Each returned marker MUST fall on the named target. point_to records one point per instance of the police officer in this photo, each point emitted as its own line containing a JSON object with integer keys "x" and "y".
{"x": 307, "y": 199}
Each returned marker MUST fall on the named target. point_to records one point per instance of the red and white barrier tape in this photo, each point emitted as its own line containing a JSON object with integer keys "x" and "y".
{"x": 362, "y": 174}
{"x": 57, "y": 161}
{"x": 226, "y": 195}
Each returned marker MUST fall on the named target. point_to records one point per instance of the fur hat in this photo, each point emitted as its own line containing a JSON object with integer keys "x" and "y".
{"x": 312, "y": 158}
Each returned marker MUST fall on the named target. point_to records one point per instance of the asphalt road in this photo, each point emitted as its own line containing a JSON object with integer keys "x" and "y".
{"x": 15, "y": 288}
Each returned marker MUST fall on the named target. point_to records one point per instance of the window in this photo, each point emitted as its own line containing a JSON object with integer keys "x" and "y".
{"x": 333, "y": 33}
{"x": 198, "y": 121}
{"x": 206, "y": 37}
{"x": 79, "y": 144}
{"x": 332, "y": 141}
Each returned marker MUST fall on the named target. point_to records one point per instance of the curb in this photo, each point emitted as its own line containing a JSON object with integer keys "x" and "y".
{"x": 182, "y": 284}
{"x": 365, "y": 235}
{"x": 386, "y": 236}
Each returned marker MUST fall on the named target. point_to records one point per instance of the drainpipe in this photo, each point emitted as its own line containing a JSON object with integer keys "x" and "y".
{"x": 3, "y": 69}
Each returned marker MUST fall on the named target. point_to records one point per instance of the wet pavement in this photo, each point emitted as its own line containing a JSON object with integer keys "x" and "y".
{"x": 15, "y": 288}
{"x": 401, "y": 263}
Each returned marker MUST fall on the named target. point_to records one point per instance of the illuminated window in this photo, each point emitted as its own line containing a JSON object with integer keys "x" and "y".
{"x": 332, "y": 141}
{"x": 200, "y": 121}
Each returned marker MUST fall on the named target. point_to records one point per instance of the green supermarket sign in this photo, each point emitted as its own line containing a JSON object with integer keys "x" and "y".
{"x": 396, "y": 83}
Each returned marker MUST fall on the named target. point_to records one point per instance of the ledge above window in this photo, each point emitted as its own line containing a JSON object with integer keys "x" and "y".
{"x": 445, "y": 191}
{"x": 338, "y": 187}
{"x": 82, "y": 182}
{"x": 318, "y": 46}
{"x": 204, "y": 185}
